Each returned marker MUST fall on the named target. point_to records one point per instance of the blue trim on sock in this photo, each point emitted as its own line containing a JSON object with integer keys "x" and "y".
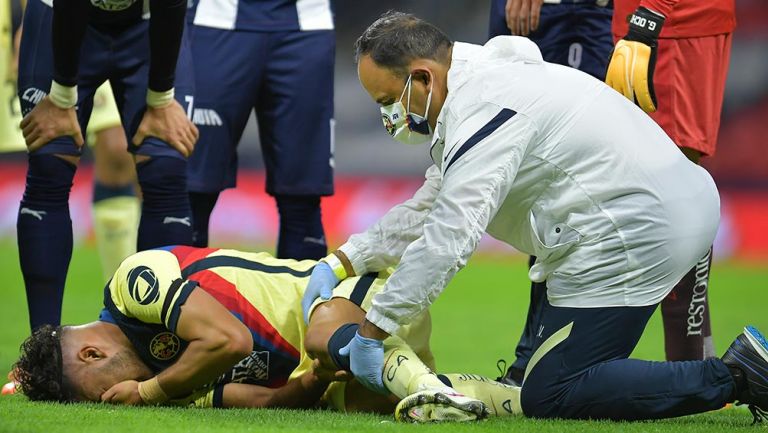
{"x": 103, "y": 192}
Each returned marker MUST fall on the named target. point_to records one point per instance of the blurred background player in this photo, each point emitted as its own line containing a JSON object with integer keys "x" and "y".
{"x": 275, "y": 57}
{"x": 66, "y": 52}
{"x": 116, "y": 209}
{"x": 568, "y": 32}
{"x": 671, "y": 58}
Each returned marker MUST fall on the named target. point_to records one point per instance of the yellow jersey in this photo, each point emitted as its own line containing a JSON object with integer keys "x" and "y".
{"x": 145, "y": 295}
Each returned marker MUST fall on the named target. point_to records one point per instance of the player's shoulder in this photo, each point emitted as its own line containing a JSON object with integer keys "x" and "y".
{"x": 153, "y": 267}
{"x": 149, "y": 258}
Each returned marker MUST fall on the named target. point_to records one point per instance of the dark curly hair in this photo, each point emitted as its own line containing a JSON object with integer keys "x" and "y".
{"x": 397, "y": 38}
{"x": 39, "y": 369}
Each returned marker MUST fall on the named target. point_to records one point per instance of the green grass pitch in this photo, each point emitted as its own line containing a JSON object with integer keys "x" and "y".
{"x": 476, "y": 322}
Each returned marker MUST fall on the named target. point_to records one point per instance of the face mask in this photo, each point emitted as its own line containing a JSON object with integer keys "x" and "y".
{"x": 404, "y": 126}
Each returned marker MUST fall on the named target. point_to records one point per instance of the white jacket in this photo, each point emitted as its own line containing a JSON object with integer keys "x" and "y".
{"x": 556, "y": 164}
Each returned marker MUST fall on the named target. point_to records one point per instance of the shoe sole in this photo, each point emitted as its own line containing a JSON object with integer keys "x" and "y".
{"x": 439, "y": 408}
{"x": 758, "y": 341}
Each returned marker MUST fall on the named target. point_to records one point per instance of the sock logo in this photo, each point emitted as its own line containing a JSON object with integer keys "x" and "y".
{"x": 392, "y": 370}
{"x": 318, "y": 241}
{"x": 507, "y": 405}
{"x": 698, "y": 301}
{"x": 35, "y": 213}
{"x": 170, "y": 220}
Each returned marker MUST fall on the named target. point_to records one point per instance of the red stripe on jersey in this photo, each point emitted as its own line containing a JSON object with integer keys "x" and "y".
{"x": 188, "y": 255}
{"x": 228, "y": 296}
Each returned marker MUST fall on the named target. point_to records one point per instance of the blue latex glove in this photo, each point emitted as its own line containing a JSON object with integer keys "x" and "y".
{"x": 366, "y": 359}
{"x": 321, "y": 284}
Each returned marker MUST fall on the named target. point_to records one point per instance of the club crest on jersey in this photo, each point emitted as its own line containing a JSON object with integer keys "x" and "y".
{"x": 112, "y": 5}
{"x": 143, "y": 285}
{"x": 164, "y": 346}
{"x": 388, "y": 124}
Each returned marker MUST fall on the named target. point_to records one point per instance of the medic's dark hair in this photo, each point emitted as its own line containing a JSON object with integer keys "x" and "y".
{"x": 39, "y": 369}
{"x": 397, "y": 38}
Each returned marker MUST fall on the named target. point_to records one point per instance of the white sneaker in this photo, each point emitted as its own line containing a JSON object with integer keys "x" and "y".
{"x": 440, "y": 405}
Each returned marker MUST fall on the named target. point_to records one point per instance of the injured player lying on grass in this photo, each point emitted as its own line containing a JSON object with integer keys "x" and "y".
{"x": 224, "y": 328}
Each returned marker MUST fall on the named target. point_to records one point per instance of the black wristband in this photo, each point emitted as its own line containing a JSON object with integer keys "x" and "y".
{"x": 644, "y": 26}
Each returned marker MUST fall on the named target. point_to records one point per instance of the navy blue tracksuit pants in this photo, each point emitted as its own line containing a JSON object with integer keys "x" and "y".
{"x": 588, "y": 374}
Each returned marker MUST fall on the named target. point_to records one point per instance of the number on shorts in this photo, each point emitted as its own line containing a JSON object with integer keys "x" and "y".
{"x": 574, "y": 55}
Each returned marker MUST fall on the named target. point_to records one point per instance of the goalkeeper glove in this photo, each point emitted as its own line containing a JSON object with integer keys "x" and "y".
{"x": 630, "y": 70}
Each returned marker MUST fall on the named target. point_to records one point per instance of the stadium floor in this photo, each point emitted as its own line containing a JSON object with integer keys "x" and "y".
{"x": 475, "y": 323}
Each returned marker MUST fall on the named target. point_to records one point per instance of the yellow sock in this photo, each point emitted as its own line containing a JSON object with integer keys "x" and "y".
{"x": 501, "y": 399}
{"x": 115, "y": 224}
{"x": 404, "y": 372}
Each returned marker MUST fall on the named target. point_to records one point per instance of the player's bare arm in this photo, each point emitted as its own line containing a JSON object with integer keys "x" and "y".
{"x": 55, "y": 115}
{"x": 165, "y": 118}
{"x": 299, "y": 393}
{"x": 217, "y": 341}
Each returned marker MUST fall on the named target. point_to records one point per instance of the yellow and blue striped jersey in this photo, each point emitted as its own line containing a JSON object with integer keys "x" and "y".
{"x": 145, "y": 295}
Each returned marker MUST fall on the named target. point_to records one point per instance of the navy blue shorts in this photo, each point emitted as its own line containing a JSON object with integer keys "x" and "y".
{"x": 287, "y": 78}
{"x": 121, "y": 58}
{"x": 571, "y": 34}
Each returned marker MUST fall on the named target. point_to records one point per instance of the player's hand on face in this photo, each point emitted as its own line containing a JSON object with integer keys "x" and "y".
{"x": 47, "y": 121}
{"x": 523, "y": 16}
{"x": 330, "y": 374}
{"x": 170, "y": 124}
{"x": 126, "y": 392}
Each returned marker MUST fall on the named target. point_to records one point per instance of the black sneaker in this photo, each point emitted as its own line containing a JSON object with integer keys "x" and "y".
{"x": 747, "y": 358}
{"x": 509, "y": 376}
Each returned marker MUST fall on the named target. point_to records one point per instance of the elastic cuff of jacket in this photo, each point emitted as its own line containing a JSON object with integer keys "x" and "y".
{"x": 645, "y": 26}
{"x": 355, "y": 258}
{"x": 159, "y": 99}
{"x": 63, "y": 96}
{"x": 383, "y": 322}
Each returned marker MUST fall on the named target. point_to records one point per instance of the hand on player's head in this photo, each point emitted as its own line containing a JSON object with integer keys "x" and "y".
{"x": 170, "y": 124}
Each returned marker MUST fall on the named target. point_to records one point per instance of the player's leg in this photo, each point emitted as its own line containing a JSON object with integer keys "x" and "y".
{"x": 576, "y": 35}
{"x": 590, "y": 42}
{"x": 166, "y": 217}
{"x": 227, "y": 71}
{"x": 689, "y": 112}
{"x": 116, "y": 208}
{"x": 299, "y": 160}
{"x": 497, "y": 24}
{"x": 332, "y": 326}
{"x": 580, "y": 370}
{"x": 44, "y": 227}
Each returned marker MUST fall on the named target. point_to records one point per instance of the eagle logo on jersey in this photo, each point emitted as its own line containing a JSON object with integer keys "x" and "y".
{"x": 112, "y": 5}
{"x": 164, "y": 346}
{"x": 143, "y": 285}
